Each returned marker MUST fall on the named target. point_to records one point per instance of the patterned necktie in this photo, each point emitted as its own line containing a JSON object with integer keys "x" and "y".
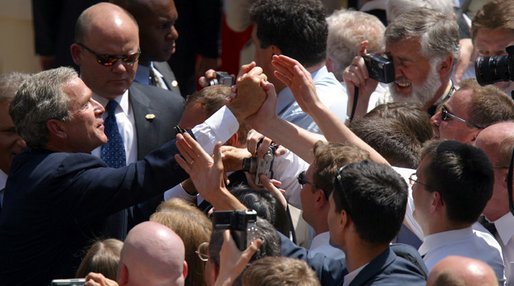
{"x": 113, "y": 152}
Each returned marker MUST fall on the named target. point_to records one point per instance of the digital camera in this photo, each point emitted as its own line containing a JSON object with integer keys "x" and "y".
{"x": 223, "y": 78}
{"x": 493, "y": 69}
{"x": 257, "y": 166}
{"x": 379, "y": 67}
{"x": 242, "y": 225}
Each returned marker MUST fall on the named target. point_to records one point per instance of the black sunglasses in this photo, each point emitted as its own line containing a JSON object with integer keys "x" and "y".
{"x": 447, "y": 115}
{"x": 110, "y": 60}
{"x": 302, "y": 179}
{"x": 341, "y": 190}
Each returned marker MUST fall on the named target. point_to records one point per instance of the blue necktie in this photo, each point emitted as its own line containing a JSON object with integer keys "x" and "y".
{"x": 113, "y": 152}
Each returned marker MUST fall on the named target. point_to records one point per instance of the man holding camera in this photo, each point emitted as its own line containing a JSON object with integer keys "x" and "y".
{"x": 423, "y": 46}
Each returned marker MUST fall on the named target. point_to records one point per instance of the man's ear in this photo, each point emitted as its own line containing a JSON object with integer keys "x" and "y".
{"x": 445, "y": 67}
{"x": 185, "y": 270}
{"x": 437, "y": 201}
{"x": 276, "y": 50}
{"x": 319, "y": 198}
{"x": 56, "y": 128}
{"x": 123, "y": 275}
{"x": 76, "y": 53}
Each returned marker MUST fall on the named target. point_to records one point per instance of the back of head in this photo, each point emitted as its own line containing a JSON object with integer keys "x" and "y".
{"x": 375, "y": 198}
{"x": 266, "y": 206}
{"x": 438, "y": 33}
{"x": 495, "y": 14}
{"x": 40, "y": 98}
{"x": 9, "y": 84}
{"x": 193, "y": 226}
{"x": 152, "y": 255}
{"x": 489, "y": 104}
{"x": 461, "y": 271}
{"x": 279, "y": 271}
{"x": 346, "y": 31}
{"x": 462, "y": 174}
{"x": 102, "y": 257}
{"x": 328, "y": 158}
{"x": 297, "y": 27}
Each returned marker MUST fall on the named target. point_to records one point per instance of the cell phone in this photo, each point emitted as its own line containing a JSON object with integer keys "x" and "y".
{"x": 69, "y": 282}
{"x": 242, "y": 225}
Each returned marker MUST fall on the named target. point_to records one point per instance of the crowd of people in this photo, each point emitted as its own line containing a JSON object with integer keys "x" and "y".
{"x": 354, "y": 148}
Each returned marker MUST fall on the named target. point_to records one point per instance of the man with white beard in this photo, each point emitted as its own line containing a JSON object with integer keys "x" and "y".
{"x": 423, "y": 45}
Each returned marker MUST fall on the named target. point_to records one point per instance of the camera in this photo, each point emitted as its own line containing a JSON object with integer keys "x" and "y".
{"x": 493, "y": 69}
{"x": 68, "y": 282}
{"x": 379, "y": 67}
{"x": 223, "y": 78}
{"x": 242, "y": 225}
{"x": 257, "y": 166}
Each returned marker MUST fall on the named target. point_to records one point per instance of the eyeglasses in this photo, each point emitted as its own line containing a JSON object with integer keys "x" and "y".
{"x": 203, "y": 251}
{"x": 447, "y": 115}
{"x": 339, "y": 189}
{"x": 110, "y": 60}
{"x": 302, "y": 179}
{"x": 413, "y": 178}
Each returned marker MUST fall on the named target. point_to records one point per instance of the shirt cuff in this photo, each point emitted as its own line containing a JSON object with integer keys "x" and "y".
{"x": 219, "y": 127}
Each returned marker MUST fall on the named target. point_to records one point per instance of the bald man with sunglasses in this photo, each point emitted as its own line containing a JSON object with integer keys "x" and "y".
{"x": 107, "y": 51}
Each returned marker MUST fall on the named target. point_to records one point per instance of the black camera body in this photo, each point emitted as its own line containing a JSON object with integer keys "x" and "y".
{"x": 257, "y": 166}
{"x": 379, "y": 67}
{"x": 242, "y": 225}
{"x": 489, "y": 70}
{"x": 223, "y": 78}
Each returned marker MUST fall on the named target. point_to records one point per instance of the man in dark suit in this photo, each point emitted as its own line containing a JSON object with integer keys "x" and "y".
{"x": 58, "y": 195}
{"x": 366, "y": 212}
{"x": 144, "y": 115}
{"x": 157, "y": 33}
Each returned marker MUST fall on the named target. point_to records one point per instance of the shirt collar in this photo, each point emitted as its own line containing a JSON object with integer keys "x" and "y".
{"x": 434, "y": 240}
{"x": 505, "y": 227}
{"x": 122, "y": 100}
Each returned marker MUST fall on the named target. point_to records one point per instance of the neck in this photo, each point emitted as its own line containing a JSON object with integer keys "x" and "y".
{"x": 321, "y": 225}
{"x": 446, "y": 226}
{"x": 360, "y": 253}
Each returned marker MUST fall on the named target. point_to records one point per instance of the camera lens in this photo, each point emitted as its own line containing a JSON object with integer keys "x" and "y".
{"x": 492, "y": 69}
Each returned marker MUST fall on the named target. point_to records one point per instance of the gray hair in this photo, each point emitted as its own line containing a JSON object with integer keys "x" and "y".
{"x": 9, "y": 84}
{"x": 346, "y": 30}
{"x": 39, "y": 99}
{"x": 396, "y": 7}
{"x": 438, "y": 33}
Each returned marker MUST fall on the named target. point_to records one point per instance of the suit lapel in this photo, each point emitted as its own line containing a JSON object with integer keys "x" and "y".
{"x": 146, "y": 125}
{"x": 374, "y": 267}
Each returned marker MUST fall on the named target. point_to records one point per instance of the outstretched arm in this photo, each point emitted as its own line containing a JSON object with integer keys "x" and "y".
{"x": 296, "y": 77}
{"x": 206, "y": 172}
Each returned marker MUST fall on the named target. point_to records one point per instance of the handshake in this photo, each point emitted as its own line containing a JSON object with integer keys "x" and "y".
{"x": 248, "y": 93}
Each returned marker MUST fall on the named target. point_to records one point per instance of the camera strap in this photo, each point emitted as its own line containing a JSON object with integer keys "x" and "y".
{"x": 355, "y": 101}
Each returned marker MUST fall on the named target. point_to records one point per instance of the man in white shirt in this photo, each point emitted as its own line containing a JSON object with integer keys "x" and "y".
{"x": 317, "y": 185}
{"x": 450, "y": 189}
{"x": 497, "y": 141}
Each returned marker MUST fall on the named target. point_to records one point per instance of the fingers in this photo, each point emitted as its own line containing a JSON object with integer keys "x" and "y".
{"x": 185, "y": 148}
{"x": 209, "y": 75}
{"x": 263, "y": 147}
{"x": 356, "y": 73}
{"x": 252, "y": 140}
{"x": 246, "y": 68}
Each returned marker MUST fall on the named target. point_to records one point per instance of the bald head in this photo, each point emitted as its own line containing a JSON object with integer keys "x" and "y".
{"x": 461, "y": 271}
{"x": 152, "y": 255}
{"x": 490, "y": 139}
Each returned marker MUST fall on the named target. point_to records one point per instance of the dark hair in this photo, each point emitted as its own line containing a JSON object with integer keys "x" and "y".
{"x": 462, "y": 174}
{"x": 266, "y": 206}
{"x": 297, "y": 27}
{"x": 374, "y": 197}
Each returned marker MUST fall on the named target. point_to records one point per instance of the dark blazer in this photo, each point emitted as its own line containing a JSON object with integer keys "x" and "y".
{"x": 55, "y": 205}
{"x": 169, "y": 77}
{"x": 398, "y": 264}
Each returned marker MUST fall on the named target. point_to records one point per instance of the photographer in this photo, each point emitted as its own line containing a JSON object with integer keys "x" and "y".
{"x": 423, "y": 46}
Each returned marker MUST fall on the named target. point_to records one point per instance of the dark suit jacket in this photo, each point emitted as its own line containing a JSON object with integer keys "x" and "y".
{"x": 398, "y": 264}
{"x": 55, "y": 205}
{"x": 168, "y": 76}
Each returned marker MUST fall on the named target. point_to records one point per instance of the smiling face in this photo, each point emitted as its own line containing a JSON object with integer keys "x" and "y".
{"x": 11, "y": 143}
{"x": 416, "y": 78}
{"x": 157, "y": 29}
{"x": 454, "y": 129}
{"x": 84, "y": 129}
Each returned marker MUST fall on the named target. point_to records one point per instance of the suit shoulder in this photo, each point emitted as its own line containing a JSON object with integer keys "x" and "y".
{"x": 156, "y": 94}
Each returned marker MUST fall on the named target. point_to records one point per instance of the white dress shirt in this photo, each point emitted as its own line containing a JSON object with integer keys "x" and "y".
{"x": 467, "y": 242}
{"x": 505, "y": 236}
{"x": 348, "y": 278}
{"x": 3, "y": 180}
{"x": 126, "y": 126}
{"x": 321, "y": 244}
